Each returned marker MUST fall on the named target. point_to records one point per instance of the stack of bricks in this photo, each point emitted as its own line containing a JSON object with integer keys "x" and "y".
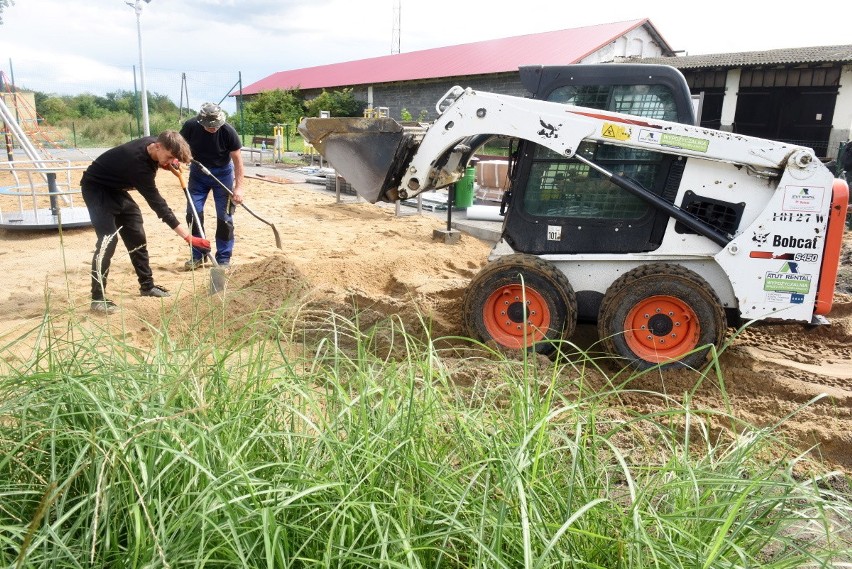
{"x": 491, "y": 180}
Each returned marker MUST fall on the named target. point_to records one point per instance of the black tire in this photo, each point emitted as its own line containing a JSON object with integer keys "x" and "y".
{"x": 661, "y": 314}
{"x": 494, "y": 307}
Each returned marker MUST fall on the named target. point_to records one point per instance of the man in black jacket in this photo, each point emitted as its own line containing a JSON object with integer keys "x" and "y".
{"x": 114, "y": 213}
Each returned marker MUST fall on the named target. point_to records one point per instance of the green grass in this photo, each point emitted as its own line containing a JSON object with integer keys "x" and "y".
{"x": 225, "y": 452}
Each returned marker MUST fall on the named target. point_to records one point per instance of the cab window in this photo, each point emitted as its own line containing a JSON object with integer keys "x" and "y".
{"x": 559, "y": 187}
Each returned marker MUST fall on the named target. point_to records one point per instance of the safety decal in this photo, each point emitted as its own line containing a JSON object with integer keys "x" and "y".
{"x": 787, "y": 279}
{"x": 674, "y": 140}
{"x": 615, "y": 131}
{"x": 801, "y": 198}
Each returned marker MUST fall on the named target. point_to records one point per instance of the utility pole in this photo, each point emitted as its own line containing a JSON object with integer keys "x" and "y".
{"x": 137, "y": 6}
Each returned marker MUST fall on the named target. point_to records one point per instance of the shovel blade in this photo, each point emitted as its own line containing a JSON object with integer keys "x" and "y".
{"x": 370, "y": 153}
{"x": 218, "y": 279}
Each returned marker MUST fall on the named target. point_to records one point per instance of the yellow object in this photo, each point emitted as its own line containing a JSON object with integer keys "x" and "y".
{"x": 376, "y": 113}
{"x": 616, "y": 131}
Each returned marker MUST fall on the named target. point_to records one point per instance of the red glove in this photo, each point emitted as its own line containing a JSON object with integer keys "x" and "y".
{"x": 198, "y": 243}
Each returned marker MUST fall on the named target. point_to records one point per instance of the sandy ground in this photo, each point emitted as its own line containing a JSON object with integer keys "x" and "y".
{"x": 342, "y": 254}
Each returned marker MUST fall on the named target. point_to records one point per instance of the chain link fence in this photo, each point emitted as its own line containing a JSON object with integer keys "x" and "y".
{"x": 166, "y": 90}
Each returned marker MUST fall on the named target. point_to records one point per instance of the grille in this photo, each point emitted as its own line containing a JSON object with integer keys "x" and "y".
{"x": 724, "y": 216}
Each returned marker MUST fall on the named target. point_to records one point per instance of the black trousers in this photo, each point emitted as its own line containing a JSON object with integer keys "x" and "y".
{"x": 114, "y": 214}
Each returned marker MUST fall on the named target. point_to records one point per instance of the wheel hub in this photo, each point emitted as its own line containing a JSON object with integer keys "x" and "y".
{"x": 660, "y": 324}
{"x": 515, "y": 312}
{"x": 661, "y": 327}
{"x": 504, "y": 316}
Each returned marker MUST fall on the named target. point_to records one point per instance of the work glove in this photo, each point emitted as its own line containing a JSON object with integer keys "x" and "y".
{"x": 201, "y": 244}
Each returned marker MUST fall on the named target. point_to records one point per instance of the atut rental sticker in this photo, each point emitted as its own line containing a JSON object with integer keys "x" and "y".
{"x": 803, "y": 198}
{"x": 674, "y": 140}
{"x": 788, "y": 279}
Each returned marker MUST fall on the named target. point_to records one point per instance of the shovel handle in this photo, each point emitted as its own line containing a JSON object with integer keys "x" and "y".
{"x": 253, "y": 214}
{"x": 194, "y": 213}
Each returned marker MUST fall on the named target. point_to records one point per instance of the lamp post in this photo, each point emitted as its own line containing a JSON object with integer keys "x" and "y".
{"x": 137, "y": 6}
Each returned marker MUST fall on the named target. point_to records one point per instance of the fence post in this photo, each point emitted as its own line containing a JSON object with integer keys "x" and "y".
{"x": 53, "y": 191}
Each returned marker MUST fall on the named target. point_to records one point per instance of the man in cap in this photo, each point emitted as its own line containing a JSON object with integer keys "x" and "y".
{"x": 217, "y": 146}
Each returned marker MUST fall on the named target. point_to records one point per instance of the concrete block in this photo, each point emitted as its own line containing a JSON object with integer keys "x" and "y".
{"x": 448, "y": 236}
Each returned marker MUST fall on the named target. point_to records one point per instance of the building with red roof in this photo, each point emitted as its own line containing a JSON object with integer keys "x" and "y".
{"x": 416, "y": 80}
{"x": 799, "y": 95}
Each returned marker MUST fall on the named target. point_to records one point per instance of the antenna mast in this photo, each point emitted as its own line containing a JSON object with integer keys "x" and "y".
{"x": 397, "y": 9}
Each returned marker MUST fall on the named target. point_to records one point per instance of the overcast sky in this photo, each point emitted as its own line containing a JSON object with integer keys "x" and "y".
{"x": 74, "y": 46}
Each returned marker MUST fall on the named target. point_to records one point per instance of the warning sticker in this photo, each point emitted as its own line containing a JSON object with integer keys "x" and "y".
{"x": 615, "y": 131}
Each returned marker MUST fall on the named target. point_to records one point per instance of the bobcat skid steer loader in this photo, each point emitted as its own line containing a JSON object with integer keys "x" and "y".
{"x": 620, "y": 210}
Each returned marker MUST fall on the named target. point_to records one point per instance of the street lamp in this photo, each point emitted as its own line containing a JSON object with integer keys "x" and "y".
{"x": 137, "y": 6}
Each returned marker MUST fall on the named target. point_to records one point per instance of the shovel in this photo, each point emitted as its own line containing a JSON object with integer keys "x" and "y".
{"x": 274, "y": 229}
{"x": 217, "y": 273}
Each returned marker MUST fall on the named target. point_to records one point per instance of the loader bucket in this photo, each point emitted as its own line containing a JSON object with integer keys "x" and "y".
{"x": 370, "y": 153}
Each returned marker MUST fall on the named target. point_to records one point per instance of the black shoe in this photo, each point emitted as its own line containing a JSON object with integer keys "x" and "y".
{"x": 155, "y": 290}
{"x": 103, "y": 306}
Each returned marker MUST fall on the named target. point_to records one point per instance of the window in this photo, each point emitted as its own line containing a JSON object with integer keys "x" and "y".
{"x": 559, "y": 187}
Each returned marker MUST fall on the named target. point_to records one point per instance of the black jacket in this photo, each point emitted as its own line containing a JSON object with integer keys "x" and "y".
{"x": 126, "y": 167}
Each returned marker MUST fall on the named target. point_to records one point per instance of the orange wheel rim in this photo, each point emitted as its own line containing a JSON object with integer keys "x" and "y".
{"x": 661, "y": 328}
{"x": 503, "y": 316}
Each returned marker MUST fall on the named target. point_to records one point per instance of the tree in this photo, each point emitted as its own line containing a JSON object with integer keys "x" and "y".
{"x": 3, "y": 5}
{"x": 339, "y": 103}
{"x": 162, "y": 104}
{"x": 53, "y": 109}
{"x": 274, "y": 107}
{"x": 121, "y": 101}
{"x": 90, "y": 106}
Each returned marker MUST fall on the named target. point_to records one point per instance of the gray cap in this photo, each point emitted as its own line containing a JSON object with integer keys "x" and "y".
{"x": 211, "y": 115}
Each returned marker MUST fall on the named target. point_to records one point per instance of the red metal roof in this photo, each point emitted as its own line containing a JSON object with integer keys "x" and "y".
{"x": 560, "y": 47}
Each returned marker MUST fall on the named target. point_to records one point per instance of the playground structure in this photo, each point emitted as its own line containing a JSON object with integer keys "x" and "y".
{"x": 42, "y": 189}
{"x": 43, "y": 193}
